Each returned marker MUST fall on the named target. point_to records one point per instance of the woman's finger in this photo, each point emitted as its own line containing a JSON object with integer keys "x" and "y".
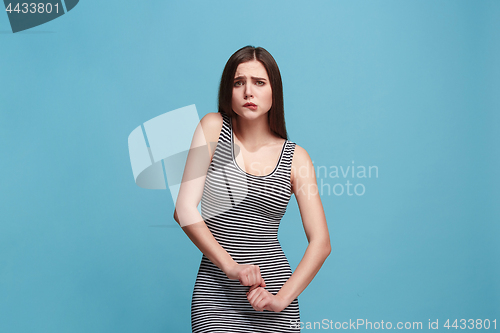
{"x": 255, "y": 286}
{"x": 251, "y": 276}
{"x": 255, "y": 301}
{"x": 253, "y": 295}
{"x": 263, "y": 302}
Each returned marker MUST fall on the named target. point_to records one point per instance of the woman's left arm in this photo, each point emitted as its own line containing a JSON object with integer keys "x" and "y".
{"x": 305, "y": 188}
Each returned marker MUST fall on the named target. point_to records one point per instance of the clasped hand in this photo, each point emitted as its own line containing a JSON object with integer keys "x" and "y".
{"x": 260, "y": 298}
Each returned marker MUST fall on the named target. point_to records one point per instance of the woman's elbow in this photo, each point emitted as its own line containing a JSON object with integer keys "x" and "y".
{"x": 186, "y": 214}
{"x": 176, "y": 217}
{"x": 327, "y": 248}
{"x": 323, "y": 248}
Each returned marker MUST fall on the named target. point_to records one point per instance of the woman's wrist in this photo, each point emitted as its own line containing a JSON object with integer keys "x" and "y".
{"x": 227, "y": 266}
{"x": 286, "y": 299}
{"x": 282, "y": 303}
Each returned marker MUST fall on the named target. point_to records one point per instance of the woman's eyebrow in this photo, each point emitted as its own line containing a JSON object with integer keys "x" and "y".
{"x": 253, "y": 77}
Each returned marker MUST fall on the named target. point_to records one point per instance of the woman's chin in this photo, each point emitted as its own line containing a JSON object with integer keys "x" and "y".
{"x": 250, "y": 114}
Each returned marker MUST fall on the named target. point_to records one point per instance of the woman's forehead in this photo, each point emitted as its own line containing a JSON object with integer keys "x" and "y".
{"x": 251, "y": 68}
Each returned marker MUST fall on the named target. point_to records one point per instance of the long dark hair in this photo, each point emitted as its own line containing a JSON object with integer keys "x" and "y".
{"x": 276, "y": 115}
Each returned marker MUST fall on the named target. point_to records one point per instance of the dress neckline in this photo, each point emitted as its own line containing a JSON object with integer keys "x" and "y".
{"x": 243, "y": 171}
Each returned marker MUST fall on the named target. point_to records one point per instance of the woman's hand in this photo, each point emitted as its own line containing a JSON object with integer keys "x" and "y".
{"x": 261, "y": 300}
{"x": 248, "y": 275}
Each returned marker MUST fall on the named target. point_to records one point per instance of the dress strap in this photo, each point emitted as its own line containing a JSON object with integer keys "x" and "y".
{"x": 288, "y": 156}
{"x": 226, "y": 122}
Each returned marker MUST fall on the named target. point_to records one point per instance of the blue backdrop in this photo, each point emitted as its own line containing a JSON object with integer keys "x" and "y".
{"x": 409, "y": 88}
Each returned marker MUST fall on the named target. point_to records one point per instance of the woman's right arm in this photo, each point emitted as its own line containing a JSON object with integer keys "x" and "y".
{"x": 191, "y": 190}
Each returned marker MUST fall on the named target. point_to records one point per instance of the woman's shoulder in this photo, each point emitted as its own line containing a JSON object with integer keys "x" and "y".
{"x": 212, "y": 119}
{"x": 300, "y": 154}
{"x": 300, "y": 160}
{"x": 211, "y": 124}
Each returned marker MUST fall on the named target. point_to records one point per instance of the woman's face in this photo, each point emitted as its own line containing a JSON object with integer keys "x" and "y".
{"x": 252, "y": 92}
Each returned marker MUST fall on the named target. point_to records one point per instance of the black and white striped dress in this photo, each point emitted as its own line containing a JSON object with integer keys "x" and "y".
{"x": 243, "y": 212}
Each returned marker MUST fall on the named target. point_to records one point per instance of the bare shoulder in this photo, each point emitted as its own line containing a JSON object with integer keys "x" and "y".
{"x": 211, "y": 120}
{"x": 300, "y": 157}
{"x": 300, "y": 161}
{"x": 211, "y": 124}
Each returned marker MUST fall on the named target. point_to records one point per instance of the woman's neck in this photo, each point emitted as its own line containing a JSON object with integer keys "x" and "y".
{"x": 253, "y": 132}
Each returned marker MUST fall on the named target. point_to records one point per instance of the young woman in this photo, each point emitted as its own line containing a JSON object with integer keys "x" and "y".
{"x": 244, "y": 180}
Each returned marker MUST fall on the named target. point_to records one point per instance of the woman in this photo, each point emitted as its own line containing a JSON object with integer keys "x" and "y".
{"x": 245, "y": 182}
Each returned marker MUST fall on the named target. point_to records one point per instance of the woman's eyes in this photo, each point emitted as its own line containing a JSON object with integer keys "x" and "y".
{"x": 240, "y": 83}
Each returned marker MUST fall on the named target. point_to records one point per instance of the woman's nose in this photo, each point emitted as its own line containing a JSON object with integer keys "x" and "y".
{"x": 248, "y": 91}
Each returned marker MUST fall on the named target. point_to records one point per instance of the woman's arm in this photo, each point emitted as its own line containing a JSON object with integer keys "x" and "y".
{"x": 186, "y": 212}
{"x": 304, "y": 186}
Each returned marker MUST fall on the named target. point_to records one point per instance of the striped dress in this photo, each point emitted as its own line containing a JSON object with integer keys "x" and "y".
{"x": 243, "y": 212}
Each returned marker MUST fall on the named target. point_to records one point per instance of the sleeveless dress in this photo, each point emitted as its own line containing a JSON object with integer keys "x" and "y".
{"x": 243, "y": 212}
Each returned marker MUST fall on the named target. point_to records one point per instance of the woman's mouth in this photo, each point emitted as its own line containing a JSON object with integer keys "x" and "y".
{"x": 251, "y": 106}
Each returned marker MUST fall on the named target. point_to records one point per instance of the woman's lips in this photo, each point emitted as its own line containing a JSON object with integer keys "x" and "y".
{"x": 251, "y": 106}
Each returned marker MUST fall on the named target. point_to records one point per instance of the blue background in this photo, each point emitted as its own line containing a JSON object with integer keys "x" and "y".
{"x": 408, "y": 86}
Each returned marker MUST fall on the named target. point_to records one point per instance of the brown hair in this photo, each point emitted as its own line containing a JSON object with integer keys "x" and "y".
{"x": 276, "y": 115}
